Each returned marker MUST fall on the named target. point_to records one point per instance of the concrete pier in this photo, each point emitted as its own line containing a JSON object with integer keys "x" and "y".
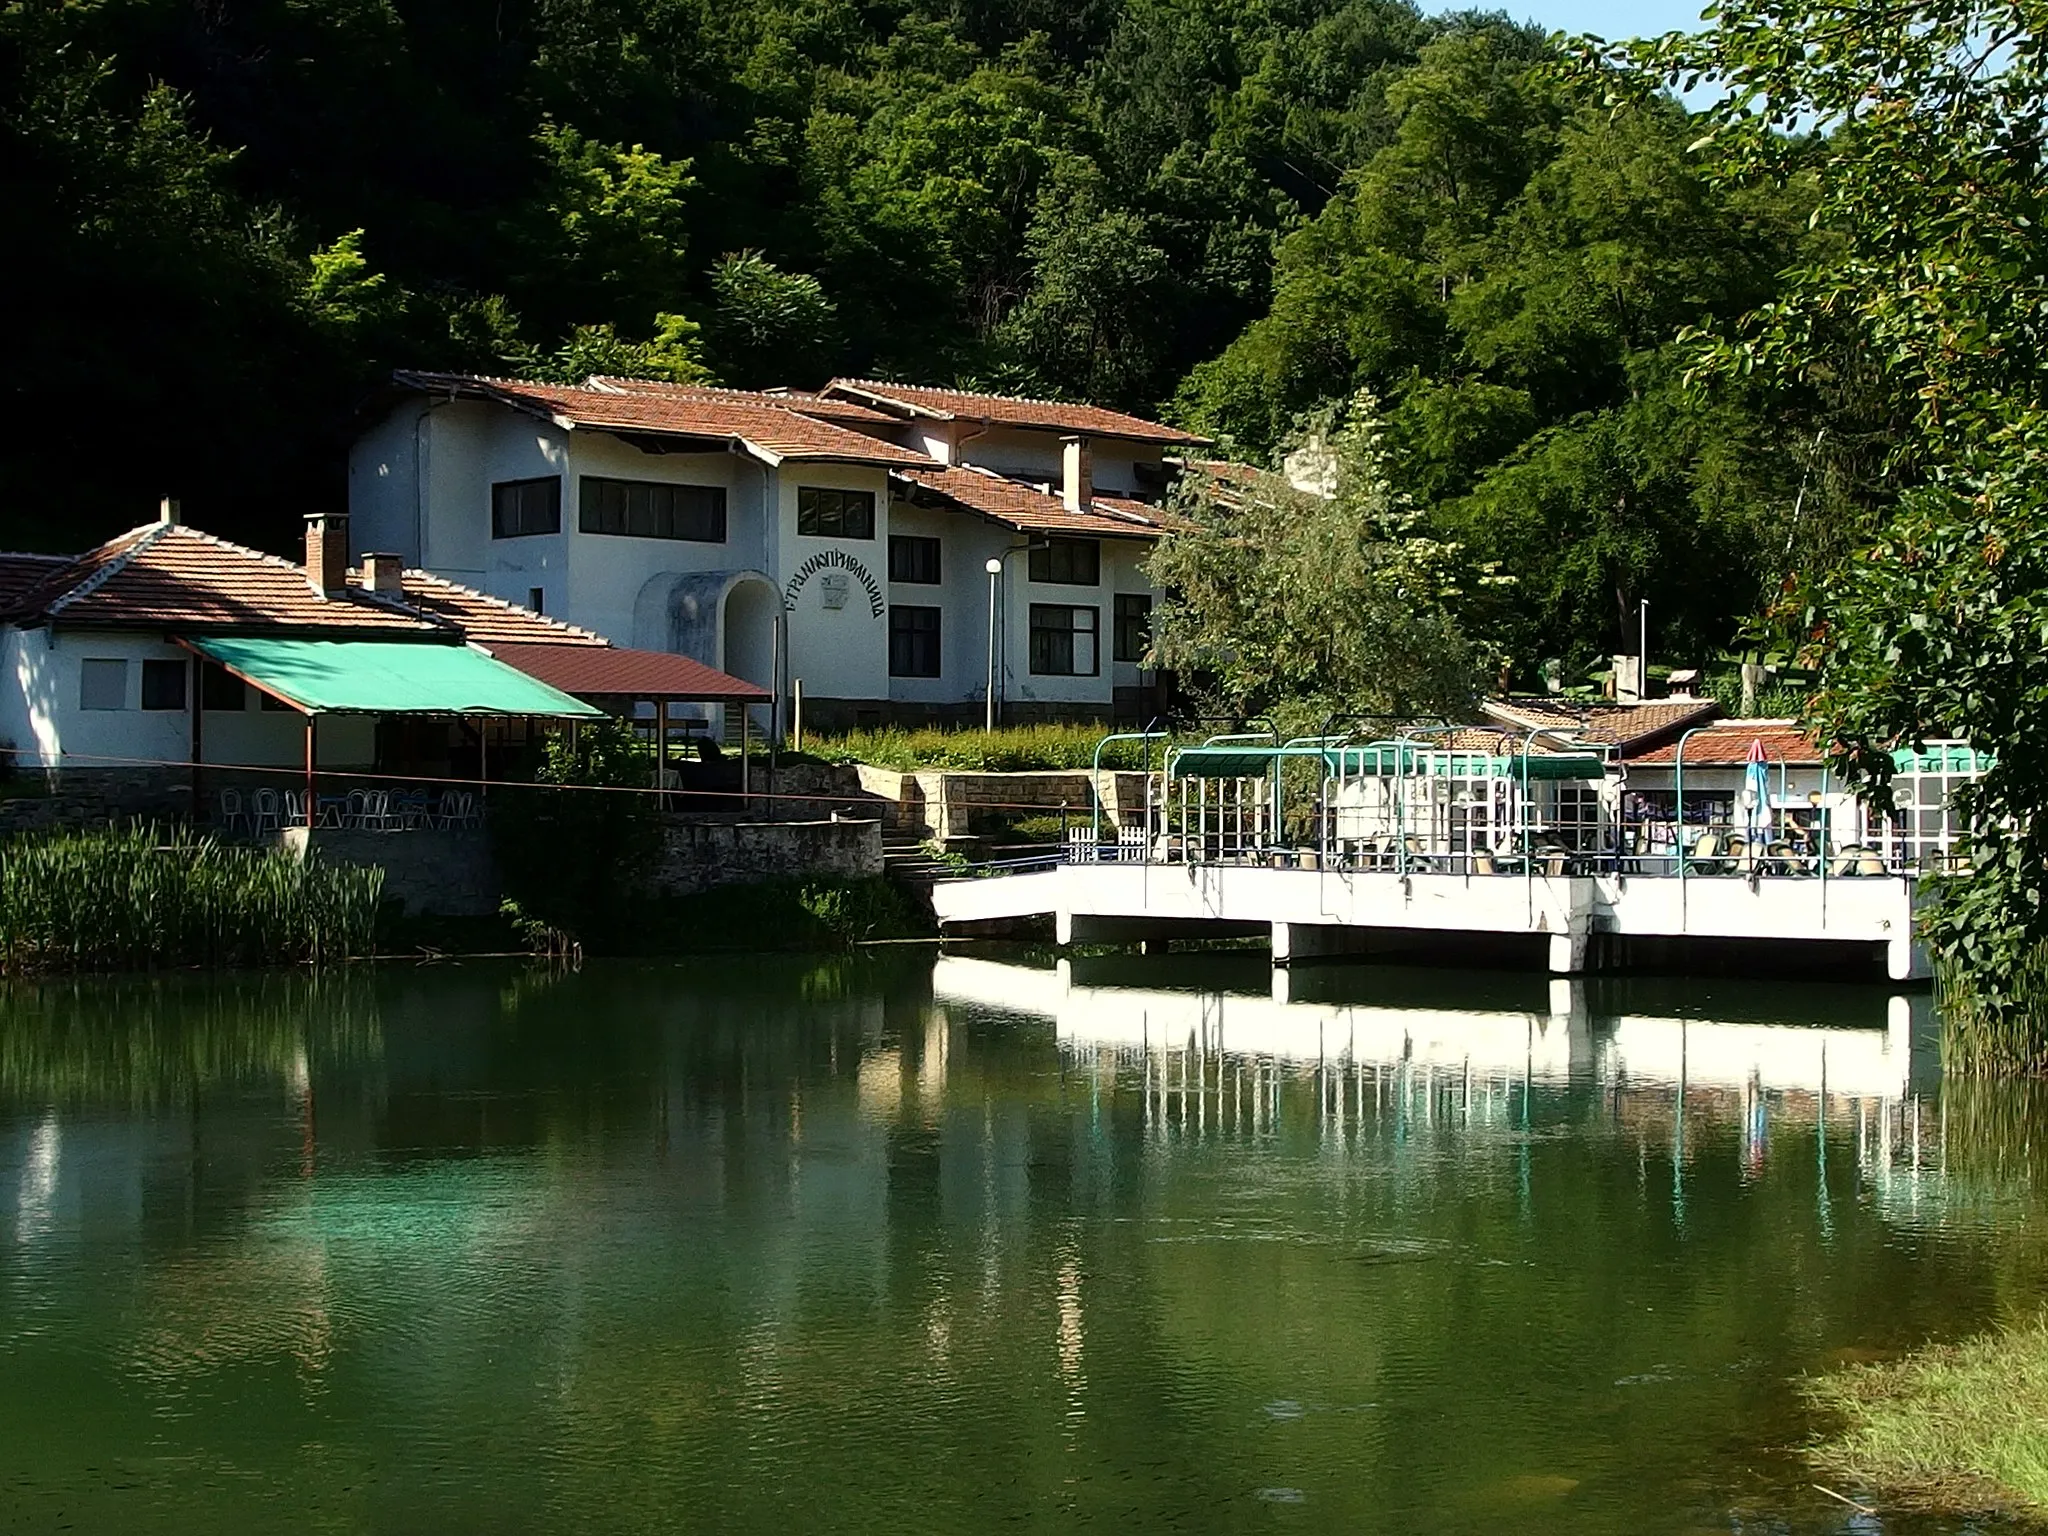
{"x": 1323, "y": 914}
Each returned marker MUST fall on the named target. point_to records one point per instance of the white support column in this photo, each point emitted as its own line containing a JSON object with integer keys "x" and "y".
{"x": 1063, "y": 928}
{"x": 1568, "y": 953}
{"x": 1906, "y": 959}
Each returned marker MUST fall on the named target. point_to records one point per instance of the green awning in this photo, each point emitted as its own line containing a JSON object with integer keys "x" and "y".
{"x": 384, "y": 677}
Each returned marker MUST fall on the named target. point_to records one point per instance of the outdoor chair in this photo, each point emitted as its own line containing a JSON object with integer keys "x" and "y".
{"x": 263, "y": 812}
{"x": 458, "y": 809}
{"x": 1705, "y": 857}
{"x": 1557, "y": 862}
{"x": 1844, "y": 863}
{"x": 232, "y": 813}
{"x": 375, "y": 815}
{"x": 1482, "y": 862}
{"x": 415, "y": 811}
{"x": 1870, "y": 862}
{"x": 294, "y": 808}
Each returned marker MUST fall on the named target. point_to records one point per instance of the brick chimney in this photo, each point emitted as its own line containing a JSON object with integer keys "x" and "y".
{"x": 1077, "y": 474}
{"x": 383, "y": 574}
{"x": 327, "y": 552}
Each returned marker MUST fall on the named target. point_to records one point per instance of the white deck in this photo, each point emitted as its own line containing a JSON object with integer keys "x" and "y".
{"x": 1321, "y": 912}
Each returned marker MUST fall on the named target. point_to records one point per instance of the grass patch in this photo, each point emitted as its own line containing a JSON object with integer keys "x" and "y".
{"x": 1957, "y": 1427}
{"x": 142, "y": 897}
{"x": 1013, "y": 749}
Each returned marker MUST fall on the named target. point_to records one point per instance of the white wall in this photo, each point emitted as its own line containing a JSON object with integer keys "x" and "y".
{"x": 41, "y": 720}
{"x": 966, "y": 544}
{"x": 839, "y": 653}
{"x": 1039, "y": 455}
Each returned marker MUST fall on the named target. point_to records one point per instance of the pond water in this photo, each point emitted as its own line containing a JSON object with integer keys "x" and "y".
{"x": 959, "y": 1243}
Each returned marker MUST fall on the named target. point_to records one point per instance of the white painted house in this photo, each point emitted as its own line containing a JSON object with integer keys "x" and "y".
{"x": 835, "y": 543}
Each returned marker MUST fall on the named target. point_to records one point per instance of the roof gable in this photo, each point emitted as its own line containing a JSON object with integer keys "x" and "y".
{"x": 1625, "y": 727}
{"x": 1030, "y": 510}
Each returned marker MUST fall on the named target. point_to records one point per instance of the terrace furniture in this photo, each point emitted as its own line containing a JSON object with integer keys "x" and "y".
{"x": 1482, "y": 862}
{"x": 232, "y": 812}
{"x": 1705, "y": 855}
{"x": 263, "y": 812}
{"x": 458, "y": 810}
{"x": 414, "y": 809}
{"x": 375, "y": 812}
{"x": 294, "y": 808}
{"x": 334, "y": 811}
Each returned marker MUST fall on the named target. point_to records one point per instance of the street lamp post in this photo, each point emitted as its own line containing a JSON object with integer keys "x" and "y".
{"x": 995, "y": 571}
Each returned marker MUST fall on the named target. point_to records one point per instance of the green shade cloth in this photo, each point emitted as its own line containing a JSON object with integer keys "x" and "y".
{"x": 1386, "y": 759}
{"x": 385, "y": 677}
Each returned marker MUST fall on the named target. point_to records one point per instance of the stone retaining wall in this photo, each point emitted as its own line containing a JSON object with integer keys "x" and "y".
{"x": 699, "y": 855}
{"x": 434, "y": 872}
{"x": 949, "y": 803}
{"x": 84, "y": 797}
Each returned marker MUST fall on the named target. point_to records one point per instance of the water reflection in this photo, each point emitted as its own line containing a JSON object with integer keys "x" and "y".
{"x": 1159, "y": 1241}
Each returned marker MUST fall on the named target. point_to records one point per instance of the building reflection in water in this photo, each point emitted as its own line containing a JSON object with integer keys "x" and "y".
{"x": 1367, "y": 1054}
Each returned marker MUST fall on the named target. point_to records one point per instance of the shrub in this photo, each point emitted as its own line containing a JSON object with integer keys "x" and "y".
{"x": 1013, "y": 749}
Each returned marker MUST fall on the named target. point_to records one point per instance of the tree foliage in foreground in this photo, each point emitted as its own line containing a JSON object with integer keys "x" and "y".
{"x": 1930, "y": 197}
{"x": 1321, "y": 597}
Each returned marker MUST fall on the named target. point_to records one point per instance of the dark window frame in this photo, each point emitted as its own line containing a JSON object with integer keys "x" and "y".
{"x": 514, "y": 517}
{"x": 611, "y": 507}
{"x": 1056, "y": 561}
{"x": 919, "y": 564}
{"x": 217, "y": 685}
{"x": 155, "y": 674}
{"x": 1051, "y": 643}
{"x": 914, "y": 645}
{"x": 1132, "y": 625}
{"x": 822, "y": 512}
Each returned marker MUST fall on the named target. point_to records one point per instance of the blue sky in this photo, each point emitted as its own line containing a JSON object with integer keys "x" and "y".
{"x": 1605, "y": 18}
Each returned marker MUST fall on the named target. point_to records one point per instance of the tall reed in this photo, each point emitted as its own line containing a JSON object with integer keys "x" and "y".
{"x": 1979, "y": 1040}
{"x": 140, "y": 897}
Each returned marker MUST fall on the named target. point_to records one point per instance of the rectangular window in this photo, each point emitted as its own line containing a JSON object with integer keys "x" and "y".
{"x": 913, "y": 642}
{"x": 830, "y": 514}
{"x": 102, "y": 684}
{"x": 221, "y": 689}
{"x": 1133, "y": 625}
{"x": 652, "y": 509}
{"x": 163, "y": 684}
{"x": 537, "y": 599}
{"x": 1063, "y": 640}
{"x": 1067, "y": 562}
{"x": 912, "y": 558}
{"x": 522, "y": 507}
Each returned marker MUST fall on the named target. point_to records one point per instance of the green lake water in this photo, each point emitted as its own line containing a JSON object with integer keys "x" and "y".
{"x": 962, "y": 1244}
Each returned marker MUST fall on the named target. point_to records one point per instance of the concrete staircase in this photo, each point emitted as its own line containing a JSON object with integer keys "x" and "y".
{"x": 906, "y": 861}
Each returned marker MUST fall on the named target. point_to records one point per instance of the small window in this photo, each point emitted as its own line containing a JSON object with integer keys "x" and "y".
{"x": 1067, "y": 562}
{"x": 1133, "y": 625}
{"x": 915, "y": 559}
{"x": 221, "y": 689}
{"x": 830, "y": 514}
{"x": 163, "y": 684}
{"x": 522, "y": 507}
{"x": 537, "y": 599}
{"x": 913, "y": 642}
{"x": 1063, "y": 640}
{"x": 651, "y": 509}
{"x": 102, "y": 684}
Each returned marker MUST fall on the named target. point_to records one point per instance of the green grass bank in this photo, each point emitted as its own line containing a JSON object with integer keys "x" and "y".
{"x": 1012, "y": 749}
{"x": 1961, "y": 1428}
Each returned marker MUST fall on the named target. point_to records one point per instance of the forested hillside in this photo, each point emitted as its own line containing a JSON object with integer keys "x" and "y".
{"x": 231, "y": 220}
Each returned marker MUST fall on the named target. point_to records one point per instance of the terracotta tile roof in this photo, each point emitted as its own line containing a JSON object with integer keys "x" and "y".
{"x": 614, "y": 670}
{"x": 1726, "y": 744}
{"x": 485, "y": 619}
{"x": 771, "y": 431}
{"x": 803, "y": 402}
{"x": 1050, "y": 415}
{"x": 168, "y": 576}
{"x": 1608, "y": 725}
{"x": 20, "y": 572}
{"x": 1028, "y": 509}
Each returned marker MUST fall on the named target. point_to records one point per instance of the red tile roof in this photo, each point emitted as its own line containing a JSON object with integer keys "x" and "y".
{"x": 1050, "y": 415}
{"x": 1726, "y": 743}
{"x": 803, "y": 402}
{"x": 1029, "y": 509}
{"x": 20, "y": 572}
{"x": 1607, "y": 725}
{"x": 772, "y": 430}
{"x": 168, "y": 576}
{"x": 485, "y": 619}
{"x": 585, "y": 670}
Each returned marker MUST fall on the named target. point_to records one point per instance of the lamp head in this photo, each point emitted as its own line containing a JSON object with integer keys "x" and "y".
{"x": 994, "y": 566}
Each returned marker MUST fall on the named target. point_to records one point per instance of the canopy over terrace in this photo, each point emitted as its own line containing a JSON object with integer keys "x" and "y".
{"x": 1433, "y": 797}
{"x": 382, "y": 678}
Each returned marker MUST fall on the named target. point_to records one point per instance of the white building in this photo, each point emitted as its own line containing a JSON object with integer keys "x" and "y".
{"x": 834, "y": 544}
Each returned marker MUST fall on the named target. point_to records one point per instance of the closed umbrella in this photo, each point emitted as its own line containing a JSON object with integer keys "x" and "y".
{"x": 1756, "y": 791}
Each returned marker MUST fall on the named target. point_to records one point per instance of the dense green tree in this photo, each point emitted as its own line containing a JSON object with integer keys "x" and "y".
{"x": 1930, "y": 120}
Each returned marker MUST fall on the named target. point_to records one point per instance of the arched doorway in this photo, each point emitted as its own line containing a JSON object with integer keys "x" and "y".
{"x": 747, "y": 636}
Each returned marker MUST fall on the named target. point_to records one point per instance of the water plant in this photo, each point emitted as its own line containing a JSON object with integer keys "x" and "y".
{"x": 142, "y": 897}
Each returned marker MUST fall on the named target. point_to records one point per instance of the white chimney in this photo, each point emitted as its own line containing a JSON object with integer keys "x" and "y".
{"x": 1077, "y": 474}
{"x": 384, "y": 573}
{"x": 168, "y": 514}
